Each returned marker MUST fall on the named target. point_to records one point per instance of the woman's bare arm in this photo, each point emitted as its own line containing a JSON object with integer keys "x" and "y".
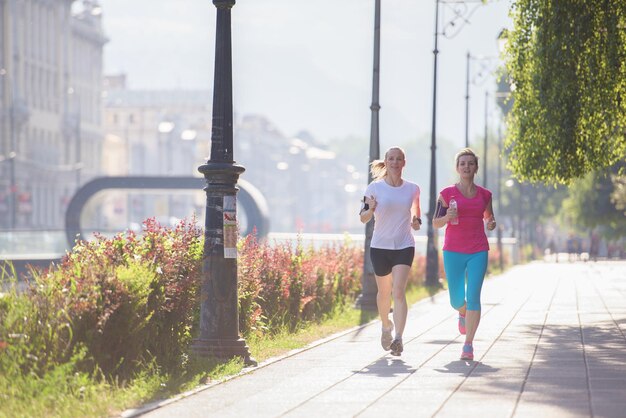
{"x": 442, "y": 216}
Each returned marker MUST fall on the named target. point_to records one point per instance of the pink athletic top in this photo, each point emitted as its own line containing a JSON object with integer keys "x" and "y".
{"x": 468, "y": 236}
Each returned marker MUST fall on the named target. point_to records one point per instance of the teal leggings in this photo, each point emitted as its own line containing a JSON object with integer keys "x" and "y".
{"x": 456, "y": 266}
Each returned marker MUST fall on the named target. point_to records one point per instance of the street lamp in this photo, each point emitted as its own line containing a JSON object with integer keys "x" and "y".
{"x": 13, "y": 190}
{"x": 369, "y": 289}
{"x": 485, "y": 70}
{"x": 486, "y": 135}
{"x": 477, "y": 79}
{"x": 219, "y": 317}
{"x": 503, "y": 98}
{"x": 461, "y": 14}
{"x": 73, "y": 128}
{"x": 166, "y": 128}
{"x": 18, "y": 116}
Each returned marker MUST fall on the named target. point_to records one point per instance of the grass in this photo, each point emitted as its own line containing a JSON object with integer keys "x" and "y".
{"x": 64, "y": 393}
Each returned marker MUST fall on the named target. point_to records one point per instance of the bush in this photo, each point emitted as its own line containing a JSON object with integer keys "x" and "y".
{"x": 127, "y": 300}
{"x": 282, "y": 285}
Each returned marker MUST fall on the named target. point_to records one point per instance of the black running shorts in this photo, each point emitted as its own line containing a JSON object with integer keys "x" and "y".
{"x": 384, "y": 260}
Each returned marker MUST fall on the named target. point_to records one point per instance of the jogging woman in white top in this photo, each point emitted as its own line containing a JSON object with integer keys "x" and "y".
{"x": 394, "y": 203}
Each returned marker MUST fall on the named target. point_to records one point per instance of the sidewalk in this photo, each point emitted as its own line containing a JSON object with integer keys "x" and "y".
{"x": 551, "y": 343}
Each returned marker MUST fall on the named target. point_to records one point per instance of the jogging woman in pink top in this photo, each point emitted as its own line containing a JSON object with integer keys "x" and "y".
{"x": 465, "y": 244}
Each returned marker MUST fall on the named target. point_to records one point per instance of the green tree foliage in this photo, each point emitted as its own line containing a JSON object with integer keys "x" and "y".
{"x": 567, "y": 63}
{"x": 590, "y": 204}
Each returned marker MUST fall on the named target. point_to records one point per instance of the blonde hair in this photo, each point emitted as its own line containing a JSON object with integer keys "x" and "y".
{"x": 378, "y": 167}
{"x": 463, "y": 152}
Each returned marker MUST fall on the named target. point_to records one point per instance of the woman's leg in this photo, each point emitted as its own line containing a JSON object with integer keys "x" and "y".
{"x": 454, "y": 265}
{"x": 463, "y": 310}
{"x": 400, "y": 274}
{"x": 476, "y": 269}
{"x": 383, "y": 299}
{"x": 472, "y": 319}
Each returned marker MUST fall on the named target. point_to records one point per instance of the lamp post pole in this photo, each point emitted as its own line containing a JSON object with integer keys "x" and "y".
{"x": 486, "y": 136}
{"x": 502, "y": 99}
{"x": 219, "y": 318}
{"x": 13, "y": 191}
{"x": 12, "y": 156}
{"x": 467, "y": 96}
{"x": 369, "y": 289}
{"x": 499, "y": 191}
{"x": 78, "y": 145}
{"x": 470, "y": 80}
{"x": 432, "y": 252}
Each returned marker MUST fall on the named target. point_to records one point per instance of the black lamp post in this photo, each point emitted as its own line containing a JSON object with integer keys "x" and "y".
{"x": 499, "y": 192}
{"x": 12, "y": 190}
{"x": 369, "y": 289}
{"x": 219, "y": 318}
{"x": 475, "y": 80}
{"x": 460, "y": 14}
{"x": 18, "y": 116}
{"x": 486, "y": 136}
{"x": 432, "y": 250}
{"x": 468, "y": 57}
{"x": 505, "y": 103}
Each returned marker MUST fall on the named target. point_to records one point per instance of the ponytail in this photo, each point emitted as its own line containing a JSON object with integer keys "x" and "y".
{"x": 378, "y": 169}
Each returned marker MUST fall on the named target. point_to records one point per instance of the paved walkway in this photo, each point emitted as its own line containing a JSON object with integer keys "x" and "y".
{"x": 551, "y": 344}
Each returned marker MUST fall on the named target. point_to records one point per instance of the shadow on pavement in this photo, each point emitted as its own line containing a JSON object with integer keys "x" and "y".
{"x": 387, "y": 367}
{"x": 467, "y": 368}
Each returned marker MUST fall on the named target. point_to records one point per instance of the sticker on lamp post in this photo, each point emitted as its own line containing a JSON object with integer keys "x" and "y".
{"x": 230, "y": 227}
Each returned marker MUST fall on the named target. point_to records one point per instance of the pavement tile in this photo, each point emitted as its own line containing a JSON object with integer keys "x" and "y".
{"x": 472, "y": 406}
{"x": 552, "y": 409}
{"x": 609, "y": 409}
{"x": 609, "y": 384}
{"x": 331, "y": 408}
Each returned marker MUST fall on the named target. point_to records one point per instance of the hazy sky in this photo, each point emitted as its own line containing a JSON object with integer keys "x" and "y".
{"x": 308, "y": 64}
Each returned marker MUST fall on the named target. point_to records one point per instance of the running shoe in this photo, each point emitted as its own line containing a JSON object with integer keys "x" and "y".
{"x": 397, "y": 347}
{"x": 468, "y": 352}
{"x": 386, "y": 338}
{"x": 462, "y": 324}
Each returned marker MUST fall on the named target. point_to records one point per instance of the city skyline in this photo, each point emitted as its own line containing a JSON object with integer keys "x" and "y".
{"x": 308, "y": 66}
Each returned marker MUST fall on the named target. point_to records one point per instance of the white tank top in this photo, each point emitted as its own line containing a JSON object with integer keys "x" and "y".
{"x": 392, "y": 228}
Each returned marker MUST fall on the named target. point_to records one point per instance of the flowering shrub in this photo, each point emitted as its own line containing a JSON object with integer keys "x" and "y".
{"x": 281, "y": 285}
{"x": 125, "y": 299}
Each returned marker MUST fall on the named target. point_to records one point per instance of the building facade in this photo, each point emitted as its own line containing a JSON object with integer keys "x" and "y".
{"x": 152, "y": 133}
{"x": 168, "y": 133}
{"x": 50, "y": 107}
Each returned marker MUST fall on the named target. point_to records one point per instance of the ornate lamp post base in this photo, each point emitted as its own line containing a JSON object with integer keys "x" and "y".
{"x": 219, "y": 316}
{"x": 222, "y": 349}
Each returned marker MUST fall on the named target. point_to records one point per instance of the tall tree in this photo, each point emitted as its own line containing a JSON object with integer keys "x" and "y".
{"x": 567, "y": 63}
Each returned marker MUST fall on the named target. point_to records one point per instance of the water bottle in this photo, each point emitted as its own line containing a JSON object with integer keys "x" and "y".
{"x": 453, "y": 205}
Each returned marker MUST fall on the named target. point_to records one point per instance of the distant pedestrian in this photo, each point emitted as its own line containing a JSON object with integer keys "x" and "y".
{"x": 394, "y": 203}
{"x": 594, "y": 246}
{"x": 465, "y": 245}
{"x": 572, "y": 247}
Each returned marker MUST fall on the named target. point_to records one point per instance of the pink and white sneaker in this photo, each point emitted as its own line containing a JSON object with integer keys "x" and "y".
{"x": 462, "y": 324}
{"x": 468, "y": 352}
